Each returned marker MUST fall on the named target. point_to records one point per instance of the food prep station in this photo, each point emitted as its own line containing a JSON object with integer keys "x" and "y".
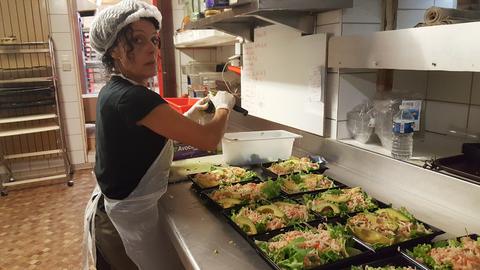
{"x": 205, "y": 237}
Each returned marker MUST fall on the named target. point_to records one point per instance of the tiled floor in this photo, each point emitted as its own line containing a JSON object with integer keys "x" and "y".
{"x": 42, "y": 228}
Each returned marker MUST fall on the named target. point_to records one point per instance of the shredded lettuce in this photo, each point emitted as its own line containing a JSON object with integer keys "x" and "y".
{"x": 291, "y": 256}
{"x": 420, "y": 252}
{"x": 337, "y": 231}
{"x": 249, "y": 175}
{"x": 271, "y": 189}
{"x": 296, "y": 178}
{"x": 343, "y": 208}
{"x": 261, "y": 227}
{"x": 330, "y": 256}
{"x": 333, "y": 192}
{"x": 407, "y": 214}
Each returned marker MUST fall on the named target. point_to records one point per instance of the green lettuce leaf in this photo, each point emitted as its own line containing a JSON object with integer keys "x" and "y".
{"x": 271, "y": 189}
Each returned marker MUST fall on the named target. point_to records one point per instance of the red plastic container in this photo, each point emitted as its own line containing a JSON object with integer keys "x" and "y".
{"x": 181, "y": 105}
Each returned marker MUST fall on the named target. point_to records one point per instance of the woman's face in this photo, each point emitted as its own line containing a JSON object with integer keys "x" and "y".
{"x": 139, "y": 63}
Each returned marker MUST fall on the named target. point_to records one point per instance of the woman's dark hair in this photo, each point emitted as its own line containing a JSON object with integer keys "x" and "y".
{"x": 126, "y": 35}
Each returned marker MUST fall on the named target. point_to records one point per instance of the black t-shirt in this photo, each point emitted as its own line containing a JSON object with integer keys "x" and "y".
{"x": 125, "y": 150}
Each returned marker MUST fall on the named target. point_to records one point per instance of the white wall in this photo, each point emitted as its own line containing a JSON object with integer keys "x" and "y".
{"x": 452, "y": 99}
{"x": 347, "y": 89}
{"x": 70, "y": 100}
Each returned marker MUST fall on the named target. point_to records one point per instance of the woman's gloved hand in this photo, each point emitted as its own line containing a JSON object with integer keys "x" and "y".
{"x": 223, "y": 100}
{"x": 197, "y": 112}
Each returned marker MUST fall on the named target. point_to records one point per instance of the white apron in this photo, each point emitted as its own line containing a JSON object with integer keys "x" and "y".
{"x": 135, "y": 217}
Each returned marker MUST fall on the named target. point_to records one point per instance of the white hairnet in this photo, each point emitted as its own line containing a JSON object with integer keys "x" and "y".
{"x": 110, "y": 21}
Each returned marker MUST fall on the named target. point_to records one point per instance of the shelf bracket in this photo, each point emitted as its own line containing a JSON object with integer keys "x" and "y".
{"x": 300, "y": 21}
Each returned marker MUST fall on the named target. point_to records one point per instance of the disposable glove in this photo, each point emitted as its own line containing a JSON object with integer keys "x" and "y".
{"x": 197, "y": 112}
{"x": 223, "y": 100}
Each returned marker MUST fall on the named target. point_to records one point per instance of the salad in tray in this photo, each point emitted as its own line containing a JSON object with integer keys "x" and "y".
{"x": 339, "y": 202}
{"x": 223, "y": 175}
{"x": 295, "y": 183}
{"x": 236, "y": 194}
{"x": 386, "y": 227}
{"x": 293, "y": 165}
{"x": 462, "y": 254}
{"x": 305, "y": 248}
{"x": 277, "y": 215}
{"x": 383, "y": 268}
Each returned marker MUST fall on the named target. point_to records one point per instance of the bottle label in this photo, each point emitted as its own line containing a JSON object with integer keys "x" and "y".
{"x": 403, "y": 127}
{"x": 415, "y": 109}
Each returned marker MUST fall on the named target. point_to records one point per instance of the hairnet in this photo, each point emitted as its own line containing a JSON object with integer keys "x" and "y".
{"x": 110, "y": 21}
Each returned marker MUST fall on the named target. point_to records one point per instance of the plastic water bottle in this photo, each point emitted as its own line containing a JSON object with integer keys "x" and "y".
{"x": 403, "y": 124}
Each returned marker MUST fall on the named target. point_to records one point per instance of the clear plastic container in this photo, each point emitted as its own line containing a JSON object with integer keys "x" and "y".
{"x": 254, "y": 147}
{"x": 403, "y": 126}
{"x": 360, "y": 122}
{"x": 194, "y": 67}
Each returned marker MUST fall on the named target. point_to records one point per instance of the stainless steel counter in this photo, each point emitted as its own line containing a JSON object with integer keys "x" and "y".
{"x": 202, "y": 239}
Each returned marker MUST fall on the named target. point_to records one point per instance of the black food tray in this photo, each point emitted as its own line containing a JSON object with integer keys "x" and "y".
{"x": 228, "y": 212}
{"x": 335, "y": 182}
{"x": 4, "y": 91}
{"x": 206, "y": 192}
{"x": 405, "y": 244}
{"x": 199, "y": 188}
{"x": 361, "y": 258}
{"x": 380, "y": 205}
{"x": 271, "y": 174}
{"x": 398, "y": 260}
{"x": 421, "y": 265}
{"x": 460, "y": 165}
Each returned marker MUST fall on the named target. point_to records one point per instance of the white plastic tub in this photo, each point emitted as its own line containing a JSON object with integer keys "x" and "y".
{"x": 243, "y": 148}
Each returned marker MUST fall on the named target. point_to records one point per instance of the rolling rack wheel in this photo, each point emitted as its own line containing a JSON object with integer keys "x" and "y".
{"x": 4, "y": 193}
{"x": 70, "y": 182}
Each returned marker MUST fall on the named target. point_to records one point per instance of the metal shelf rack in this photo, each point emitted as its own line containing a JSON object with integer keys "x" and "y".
{"x": 31, "y": 128}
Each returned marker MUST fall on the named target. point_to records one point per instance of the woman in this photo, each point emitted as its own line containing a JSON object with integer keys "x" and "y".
{"x": 135, "y": 127}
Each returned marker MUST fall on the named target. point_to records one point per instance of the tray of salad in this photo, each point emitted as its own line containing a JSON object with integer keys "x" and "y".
{"x": 396, "y": 262}
{"x": 340, "y": 202}
{"x": 220, "y": 176}
{"x": 241, "y": 194}
{"x": 294, "y": 184}
{"x": 326, "y": 246}
{"x": 268, "y": 216}
{"x": 294, "y": 165}
{"x": 462, "y": 253}
{"x": 387, "y": 229}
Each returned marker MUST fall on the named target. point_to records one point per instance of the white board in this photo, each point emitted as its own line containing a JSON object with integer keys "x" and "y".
{"x": 283, "y": 77}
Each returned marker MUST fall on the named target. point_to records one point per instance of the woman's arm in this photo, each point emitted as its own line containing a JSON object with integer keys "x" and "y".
{"x": 165, "y": 121}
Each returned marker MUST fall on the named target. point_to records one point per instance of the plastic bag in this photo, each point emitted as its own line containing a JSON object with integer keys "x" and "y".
{"x": 361, "y": 121}
{"x": 386, "y": 105}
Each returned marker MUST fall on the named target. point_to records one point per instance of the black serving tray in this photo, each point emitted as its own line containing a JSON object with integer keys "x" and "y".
{"x": 398, "y": 260}
{"x": 300, "y": 199}
{"x": 15, "y": 91}
{"x": 335, "y": 182}
{"x": 460, "y": 165}
{"x": 361, "y": 258}
{"x": 405, "y": 244}
{"x": 196, "y": 186}
{"x": 421, "y": 265}
{"x": 205, "y": 194}
{"x": 228, "y": 212}
{"x": 273, "y": 175}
